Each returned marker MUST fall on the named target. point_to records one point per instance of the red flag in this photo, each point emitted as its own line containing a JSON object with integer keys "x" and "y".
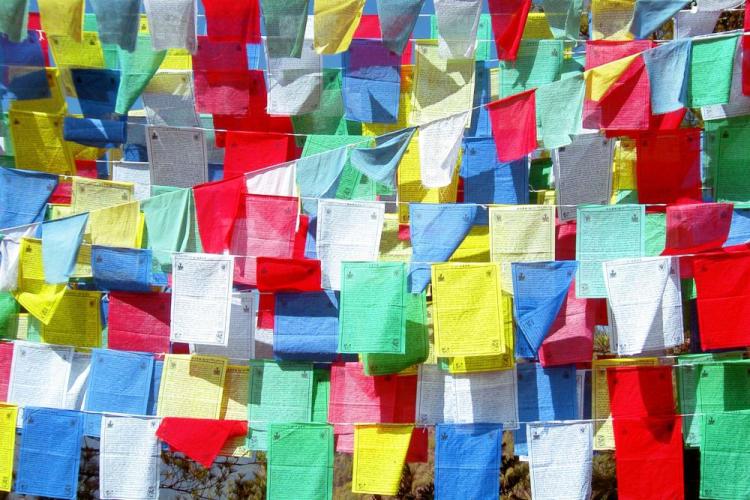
{"x": 232, "y": 20}
{"x": 722, "y": 281}
{"x": 221, "y": 78}
{"x": 648, "y": 434}
{"x": 668, "y": 166}
{"x": 513, "y": 121}
{"x": 216, "y": 205}
{"x": 369, "y": 27}
{"x": 200, "y": 439}
{"x": 288, "y": 275}
{"x": 697, "y": 227}
{"x": 571, "y": 336}
{"x": 266, "y": 311}
{"x": 565, "y": 240}
{"x": 508, "y": 21}
{"x": 139, "y": 321}
{"x": 250, "y": 151}
{"x": 6, "y": 358}
{"x": 300, "y": 240}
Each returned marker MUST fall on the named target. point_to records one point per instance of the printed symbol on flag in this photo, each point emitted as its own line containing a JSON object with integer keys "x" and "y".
{"x": 151, "y": 490}
{"x": 23, "y": 352}
{"x": 154, "y": 135}
{"x": 219, "y": 335}
{"x": 110, "y": 424}
{"x": 545, "y": 218}
{"x": 498, "y": 218}
{"x": 489, "y": 273}
{"x": 634, "y": 218}
{"x": 395, "y": 342}
{"x": 441, "y": 278}
{"x": 661, "y": 267}
{"x": 536, "y": 436}
{"x": 322, "y": 435}
{"x": 612, "y": 273}
{"x": 223, "y": 267}
{"x": 374, "y": 215}
{"x": 521, "y": 277}
{"x": 349, "y": 275}
{"x": 587, "y": 218}
{"x": 711, "y": 420}
{"x": 124, "y": 196}
{"x": 276, "y": 436}
{"x": 466, "y": 217}
{"x": 173, "y": 365}
{"x": 217, "y": 371}
{"x": 245, "y": 308}
{"x": 179, "y": 266}
{"x": 444, "y": 436}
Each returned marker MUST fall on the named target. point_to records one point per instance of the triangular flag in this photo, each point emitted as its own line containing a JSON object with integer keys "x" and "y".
{"x": 61, "y": 239}
{"x": 397, "y": 20}
{"x": 317, "y": 176}
{"x": 513, "y": 121}
{"x": 650, "y": 14}
{"x": 439, "y": 146}
{"x": 216, "y": 205}
{"x": 198, "y": 438}
{"x": 508, "y": 22}
{"x": 668, "y": 67}
{"x": 380, "y": 163}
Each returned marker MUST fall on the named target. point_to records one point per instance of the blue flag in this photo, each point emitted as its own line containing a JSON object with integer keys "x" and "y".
{"x": 306, "y": 326}
{"x": 487, "y": 180}
{"x": 24, "y": 83}
{"x": 371, "y": 84}
{"x": 119, "y": 382}
{"x": 27, "y": 53}
{"x": 544, "y": 394}
{"x": 739, "y": 230}
{"x": 480, "y": 115}
{"x": 118, "y": 21}
{"x": 126, "y": 269}
{"x": 436, "y": 231}
{"x": 380, "y": 163}
{"x": 94, "y": 132}
{"x": 23, "y": 196}
{"x": 153, "y": 395}
{"x": 668, "y": 68}
{"x": 539, "y": 291}
{"x": 650, "y": 14}
{"x": 61, "y": 239}
{"x": 467, "y": 461}
{"x": 50, "y": 453}
{"x": 96, "y": 90}
{"x": 397, "y": 19}
{"x": 318, "y": 176}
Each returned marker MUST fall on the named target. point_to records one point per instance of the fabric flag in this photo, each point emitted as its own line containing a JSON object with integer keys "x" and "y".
{"x": 14, "y": 15}
{"x": 285, "y": 24}
{"x": 397, "y": 20}
{"x": 439, "y": 147}
{"x": 118, "y": 21}
{"x": 554, "y": 474}
{"x": 49, "y": 467}
{"x": 335, "y": 22}
{"x": 739, "y": 103}
{"x": 380, "y": 162}
{"x": 24, "y": 194}
{"x": 295, "y": 84}
{"x": 287, "y": 275}
{"x": 318, "y": 175}
{"x": 724, "y": 452}
{"x": 10, "y": 258}
{"x": 650, "y": 14}
{"x": 668, "y": 166}
{"x": 467, "y": 459}
{"x": 306, "y": 326}
{"x": 508, "y": 22}
{"x": 137, "y": 67}
{"x": 559, "y": 107}
{"x": 611, "y": 19}
{"x": 514, "y": 125}
{"x": 564, "y": 17}
{"x": 126, "y": 269}
{"x": 300, "y": 461}
{"x": 436, "y": 231}
{"x": 668, "y": 67}
{"x": 487, "y": 180}
{"x": 539, "y": 63}
{"x": 416, "y": 342}
{"x": 199, "y": 439}
{"x": 8, "y": 419}
{"x": 368, "y": 287}
{"x": 251, "y": 151}
{"x": 539, "y": 289}
{"x": 544, "y": 394}
{"x": 62, "y": 18}
{"x": 170, "y": 226}
{"x": 689, "y": 24}
{"x": 139, "y": 322}
{"x": 232, "y": 20}
{"x": 171, "y": 24}
{"x": 61, "y": 239}
{"x": 129, "y": 440}
{"x": 600, "y": 79}
{"x": 739, "y": 230}
{"x": 571, "y": 337}
{"x": 697, "y": 227}
{"x": 96, "y": 90}
{"x": 643, "y": 411}
{"x": 457, "y": 22}
{"x": 711, "y": 62}
{"x": 371, "y": 82}
{"x": 722, "y": 286}
{"x": 379, "y": 457}
{"x": 95, "y": 133}
{"x": 216, "y": 206}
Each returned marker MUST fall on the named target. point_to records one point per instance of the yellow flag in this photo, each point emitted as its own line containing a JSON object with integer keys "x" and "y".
{"x": 601, "y": 78}
{"x": 62, "y": 17}
{"x": 475, "y": 247}
{"x": 604, "y": 436}
{"x": 8, "y": 416}
{"x": 177, "y": 59}
{"x": 623, "y": 167}
{"x": 335, "y": 22}
{"x": 38, "y": 142}
{"x": 393, "y": 248}
{"x": 53, "y": 105}
{"x": 410, "y": 188}
{"x": 117, "y": 226}
{"x": 93, "y": 194}
{"x": 521, "y": 233}
{"x": 611, "y": 19}
{"x": 379, "y": 456}
{"x": 537, "y": 27}
{"x": 234, "y": 407}
{"x": 191, "y": 386}
{"x": 467, "y": 309}
{"x": 39, "y": 298}
{"x": 76, "y": 322}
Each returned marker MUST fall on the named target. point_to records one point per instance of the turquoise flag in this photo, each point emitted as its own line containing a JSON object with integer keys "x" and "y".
{"x": 61, "y": 239}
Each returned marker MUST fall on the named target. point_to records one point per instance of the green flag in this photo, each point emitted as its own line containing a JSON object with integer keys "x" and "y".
{"x": 300, "y": 462}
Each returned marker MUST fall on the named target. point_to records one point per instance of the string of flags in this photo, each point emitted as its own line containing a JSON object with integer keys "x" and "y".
{"x": 214, "y": 239}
